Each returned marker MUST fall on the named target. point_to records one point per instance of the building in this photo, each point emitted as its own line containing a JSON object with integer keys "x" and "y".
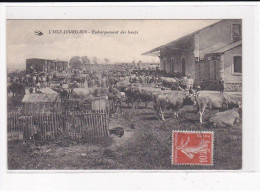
{"x": 210, "y": 53}
{"x": 45, "y": 65}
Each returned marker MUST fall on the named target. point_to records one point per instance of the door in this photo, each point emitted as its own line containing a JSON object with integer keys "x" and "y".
{"x": 172, "y": 65}
{"x": 183, "y": 66}
{"x": 213, "y": 70}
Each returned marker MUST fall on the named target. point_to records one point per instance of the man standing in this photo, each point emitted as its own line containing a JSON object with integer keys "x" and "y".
{"x": 189, "y": 82}
{"x": 221, "y": 85}
{"x": 48, "y": 80}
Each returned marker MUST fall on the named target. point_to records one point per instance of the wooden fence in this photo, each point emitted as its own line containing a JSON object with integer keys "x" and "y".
{"x": 47, "y": 127}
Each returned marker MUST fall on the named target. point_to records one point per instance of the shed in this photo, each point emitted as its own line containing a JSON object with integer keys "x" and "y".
{"x": 42, "y": 103}
{"x": 99, "y": 103}
{"x": 87, "y": 99}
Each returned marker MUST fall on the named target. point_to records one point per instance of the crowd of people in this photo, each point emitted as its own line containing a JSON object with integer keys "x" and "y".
{"x": 107, "y": 78}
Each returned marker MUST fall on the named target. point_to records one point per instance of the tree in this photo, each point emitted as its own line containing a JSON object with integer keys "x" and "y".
{"x": 75, "y": 62}
{"x": 106, "y": 60}
{"x": 75, "y": 59}
{"x": 85, "y": 60}
{"x": 95, "y": 60}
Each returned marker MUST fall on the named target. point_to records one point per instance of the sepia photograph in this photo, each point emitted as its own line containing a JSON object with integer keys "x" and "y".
{"x": 124, "y": 94}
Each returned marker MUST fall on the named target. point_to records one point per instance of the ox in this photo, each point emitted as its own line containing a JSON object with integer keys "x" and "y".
{"x": 168, "y": 82}
{"x": 226, "y": 118}
{"x": 81, "y": 93}
{"x": 171, "y": 100}
{"x": 209, "y": 100}
{"x": 122, "y": 85}
{"x": 137, "y": 93}
{"x": 112, "y": 80}
{"x": 147, "y": 93}
{"x": 65, "y": 93}
{"x": 133, "y": 94}
{"x": 16, "y": 88}
{"x": 115, "y": 99}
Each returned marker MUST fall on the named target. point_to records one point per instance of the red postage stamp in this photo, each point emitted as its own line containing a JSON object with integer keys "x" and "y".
{"x": 192, "y": 148}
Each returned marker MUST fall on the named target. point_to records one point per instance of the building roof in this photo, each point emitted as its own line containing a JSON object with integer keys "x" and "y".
{"x": 211, "y": 48}
{"x": 47, "y": 60}
{"x": 40, "y": 98}
{"x": 228, "y": 47}
{"x": 174, "y": 42}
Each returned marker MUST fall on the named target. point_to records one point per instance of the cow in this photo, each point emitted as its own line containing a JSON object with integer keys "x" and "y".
{"x": 99, "y": 91}
{"x": 65, "y": 94}
{"x": 112, "y": 81}
{"x": 82, "y": 80}
{"x": 74, "y": 84}
{"x": 137, "y": 93}
{"x": 133, "y": 94}
{"x": 211, "y": 100}
{"x": 171, "y": 100}
{"x": 91, "y": 83}
{"x": 147, "y": 93}
{"x": 168, "y": 82}
{"x": 16, "y": 88}
{"x": 122, "y": 85}
{"x": 115, "y": 99}
{"x": 224, "y": 119}
{"x": 81, "y": 93}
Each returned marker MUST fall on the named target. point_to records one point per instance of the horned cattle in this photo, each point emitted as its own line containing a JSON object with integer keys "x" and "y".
{"x": 225, "y": 119}
{"x": 212, "y": 100}
{"x": 115, "y": 99}
{"x": 171, "y": 100}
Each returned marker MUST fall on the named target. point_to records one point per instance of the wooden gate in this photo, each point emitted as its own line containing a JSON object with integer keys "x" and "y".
{"x": 47, "y": 127}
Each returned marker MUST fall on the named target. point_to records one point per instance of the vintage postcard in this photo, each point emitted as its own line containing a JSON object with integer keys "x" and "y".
{"x": 131, "y": 94}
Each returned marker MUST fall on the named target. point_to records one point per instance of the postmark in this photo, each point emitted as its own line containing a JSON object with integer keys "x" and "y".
{"x": 192, "y": 147}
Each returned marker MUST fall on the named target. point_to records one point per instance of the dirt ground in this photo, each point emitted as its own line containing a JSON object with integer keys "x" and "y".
{"x": 145, "y": 145}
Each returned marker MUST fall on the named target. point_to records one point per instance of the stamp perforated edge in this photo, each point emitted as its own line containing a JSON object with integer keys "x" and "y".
{"x": 212, "y": 146}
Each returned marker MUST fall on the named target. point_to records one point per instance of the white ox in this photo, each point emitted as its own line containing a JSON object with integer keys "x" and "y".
{"x": 226, "y": 118}
{"x": 215, "y": 100}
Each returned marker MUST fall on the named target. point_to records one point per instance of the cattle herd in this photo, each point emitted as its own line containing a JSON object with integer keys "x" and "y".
{"x": 134, "y": 88}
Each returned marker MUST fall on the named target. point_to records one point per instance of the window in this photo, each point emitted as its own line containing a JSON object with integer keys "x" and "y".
{"x": 164, "y": 64}
{"x": 236, "y": 32}
{"x": 237, "y": 62}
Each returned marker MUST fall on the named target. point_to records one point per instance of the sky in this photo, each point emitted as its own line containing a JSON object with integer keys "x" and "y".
{"x": 22, "y": 43}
